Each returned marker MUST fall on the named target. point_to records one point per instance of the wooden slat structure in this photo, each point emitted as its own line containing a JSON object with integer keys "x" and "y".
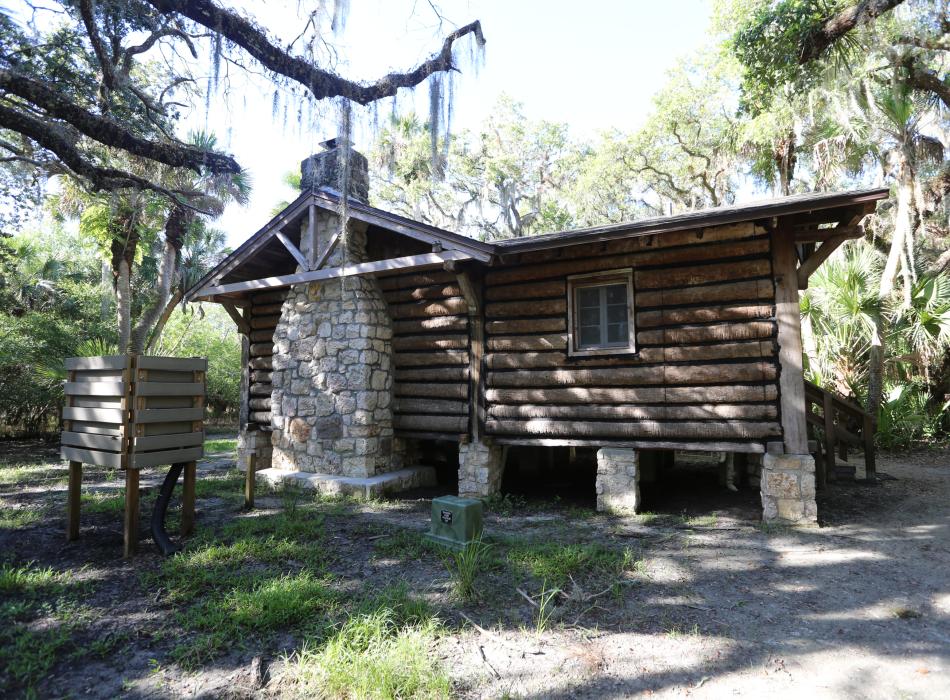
{"x": 130, "y": 412}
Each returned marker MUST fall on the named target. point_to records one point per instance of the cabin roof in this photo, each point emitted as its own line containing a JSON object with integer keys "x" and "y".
{"x": 703, "y": 218}
{"x": 264, "y": 254}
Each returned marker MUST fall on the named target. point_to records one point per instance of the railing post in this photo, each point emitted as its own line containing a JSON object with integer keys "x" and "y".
{"x": 828, "y": 408}
{"x": 867, "y": 432}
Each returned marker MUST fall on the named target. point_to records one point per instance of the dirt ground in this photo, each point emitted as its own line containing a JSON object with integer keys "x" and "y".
{"x": 708, "y": 604}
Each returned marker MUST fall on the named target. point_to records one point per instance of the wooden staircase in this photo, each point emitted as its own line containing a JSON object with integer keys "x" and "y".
{"x": 834, "y": 425}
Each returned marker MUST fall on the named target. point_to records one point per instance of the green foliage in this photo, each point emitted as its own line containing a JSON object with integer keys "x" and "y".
{"x": 465, "y": 565}
{"x": 556, "y": 563}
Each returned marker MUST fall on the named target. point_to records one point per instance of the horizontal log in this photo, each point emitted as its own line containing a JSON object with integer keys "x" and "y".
{"x": 635, "y": 429}
{"x": 272, "y": 297}
{"x": 527, "y": 342}
{"x": 647, "y": 355}
{"x": 529, "y": 290}
{"x": 542, "y": 307}
{"x": 748, "y": 290}
{"x": 606, "y": 395}
{"x": 262, "y": 336}
{"x": 701, "y": 274}
{"x": 426, "y": 435}
{"x": 261, "y": 349}
{"x": 438, "y": 323}
{"x": 684, "y": 445}
{"x": 580, "y": 265}
{"x": 439, "y": 374}
{"x": 704, "y": 314}
{"x": 667, "y": 239}
{"x": 411, "y": 405}
{"x": 709, "y": 411}
{"x": 637, "y": 376}
{"x": 261, "y": 376}
{"x": 429, "y": 359}
{"x": 259, "y": 404}
{"x": 437, "y": 291}
{"x": 262, "y": 417}
{"x": 261, "y": 363}
{"x": 413, "y": 280}
{"x": 450, "y": 306}
{"x": 259, "y": 322}
{"x": 440, "y": 391}
{"x": 526, "y": 325}
{"x": 261, "y": 389}
{"x": 429, "y": 342}
{"x": 266, "y": 309}
{"x": 752, "y": 330}
{"x": 448, "y": 424}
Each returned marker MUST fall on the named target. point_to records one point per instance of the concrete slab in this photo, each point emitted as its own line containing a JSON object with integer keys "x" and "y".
{"x": 369, "y": 487}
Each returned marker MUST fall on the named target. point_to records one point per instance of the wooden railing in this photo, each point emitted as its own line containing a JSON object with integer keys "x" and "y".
{"x": 836, "y": 424}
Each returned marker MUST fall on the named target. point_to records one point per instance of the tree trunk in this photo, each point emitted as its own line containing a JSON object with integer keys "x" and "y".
{"x": 123, "y": 307}
{"x": 163, "y": 319}
{"x": 148, "y": 319}
{"x": 107, "y": 292}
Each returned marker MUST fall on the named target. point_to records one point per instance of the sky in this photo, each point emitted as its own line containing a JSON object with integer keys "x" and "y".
{"x": 594, "y": 65}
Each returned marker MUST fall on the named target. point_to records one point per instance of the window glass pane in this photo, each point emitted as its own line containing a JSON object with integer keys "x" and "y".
{"x": 617, "y": 294}
{"x": 617, "y": 333}
{"x": 589, "y": 317}
{"x": 617, "y": 313}
{"x": 588, "y": 297}
{"x": 590, "y": 335}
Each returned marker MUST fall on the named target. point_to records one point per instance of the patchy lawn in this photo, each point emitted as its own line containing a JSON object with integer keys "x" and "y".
{"x": 316, "y": 597}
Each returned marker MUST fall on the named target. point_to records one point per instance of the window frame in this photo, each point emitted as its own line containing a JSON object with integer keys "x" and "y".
{"x": 599, "y": 279}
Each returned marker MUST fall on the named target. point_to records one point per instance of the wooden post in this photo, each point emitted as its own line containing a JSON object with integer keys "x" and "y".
{"x": 131, "y": 533}
{"x": 249, "y": 480}
{"x": 867, "y": 432}
{"x": 788, "y": 315}
{"x": 188, "y": 499}
{"x": 828, "y": 407}
{"x": 73, "y": 501}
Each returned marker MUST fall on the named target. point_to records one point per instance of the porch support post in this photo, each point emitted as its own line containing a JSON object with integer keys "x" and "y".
{"x": 788, "y": 480}
{"x": 618, "y": 481}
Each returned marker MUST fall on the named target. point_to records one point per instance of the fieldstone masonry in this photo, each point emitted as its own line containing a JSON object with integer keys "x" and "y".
{"x": 257, "y": 443}
{"x": 618, "y": 481}
{"x": 788, "y": 489}
{"x": 332, "y": 377}
{"x": 481, "y": 466}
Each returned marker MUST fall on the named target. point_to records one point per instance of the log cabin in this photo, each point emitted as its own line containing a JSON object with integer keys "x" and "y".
{"x": 370, "y": 338}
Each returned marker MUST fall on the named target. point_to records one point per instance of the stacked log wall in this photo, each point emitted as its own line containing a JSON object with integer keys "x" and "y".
{"x": 262, "y": 317}
{"x": 705, "y": 370}
{"x": 431, "y": 348}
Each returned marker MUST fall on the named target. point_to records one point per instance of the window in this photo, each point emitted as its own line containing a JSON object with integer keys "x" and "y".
{"x": 600, "y": 312}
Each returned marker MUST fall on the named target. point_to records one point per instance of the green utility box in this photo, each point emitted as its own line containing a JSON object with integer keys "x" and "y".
{"x": 455, "y": 521}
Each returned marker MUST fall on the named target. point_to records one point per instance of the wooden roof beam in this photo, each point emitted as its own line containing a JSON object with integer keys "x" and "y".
{"x": 426, "y": 260}
{"x": 293, "y": 250}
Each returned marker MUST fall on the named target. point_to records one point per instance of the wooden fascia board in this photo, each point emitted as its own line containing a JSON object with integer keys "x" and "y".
{"x": 367, "y": 216}
{"x": 425, "y": 260}
{"x": 251, "y": 246}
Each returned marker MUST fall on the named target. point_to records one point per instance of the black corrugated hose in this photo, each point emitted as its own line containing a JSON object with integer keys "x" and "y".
{"x": 162, "y": 540}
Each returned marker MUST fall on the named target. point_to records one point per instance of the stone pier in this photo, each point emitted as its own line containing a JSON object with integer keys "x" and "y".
{"x": 788, "y": 489}
{"x": 618, "y": 481}
{"x": 481, "y": 467}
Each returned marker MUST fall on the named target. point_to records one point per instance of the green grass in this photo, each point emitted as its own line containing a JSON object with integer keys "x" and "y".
{"x": 406, "y": 544}
{"x": 110, "y": 502}
{"x": 255, "y": 576}
{"x": 12, "y": 518}
{"x": 29, "y": 650}
{"x": 556, "y": 563}
{"x": 381, "y": 650}
{"x": 227, "y": 485}
{"x": 220, "y": 445}
{"x": 47, "y": 472}
{"x": 464, "y": 567}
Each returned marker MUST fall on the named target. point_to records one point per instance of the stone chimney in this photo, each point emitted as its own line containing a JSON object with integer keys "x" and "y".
{"x": 326, "y": 170}
{"x": 332, "y": 377}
